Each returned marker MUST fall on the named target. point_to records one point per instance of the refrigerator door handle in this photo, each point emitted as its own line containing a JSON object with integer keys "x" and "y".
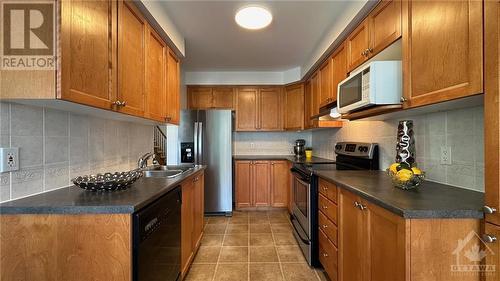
{"x": 196, "y": 143}
{"x": 200, "y": 143}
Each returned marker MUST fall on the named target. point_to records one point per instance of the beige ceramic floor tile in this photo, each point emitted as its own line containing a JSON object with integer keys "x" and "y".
{"x": 237, "y": 228}
{"x": 217, "y": 220}
{"x": 263, "y": 254}
{"x": 231, "y": 272}
{"x": 290, "y": 254}
{"x": 207, "y": 255}
{"x": 260, "y": 228}
{"x": 265, "y": 272}
{"x": 281, "y": 228}
{"x": 238, "y": 220}
{"x": 215, "y": 228}
{"x": 211, "y": 240}
{"x": 261, "y": 239}
{"x": 298, "y": 272}
{"x": 275, "y": 220}
{"x": 201, "y": 272}
{"x": 283, "y": 239}
{"x": 240, "y": 239}
{"x": 259, "y": 220}
{"x": 233, "y": 254}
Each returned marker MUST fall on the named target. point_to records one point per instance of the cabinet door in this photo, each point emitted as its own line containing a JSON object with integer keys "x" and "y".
{"x": 325, "y": 82}
{"x": 270, "y": 114}
{"x": 339, "y": 70}
{"x": 243, "y": 183}
{"x": 280, "y": 175}
{"x": 200, "y": 98}
{"x": 198, "y": 209}
{"x": 223, "y": 98}
{"x": 352, "y": 240}
{"x": 88, "y": 45}
{"x": 156, "y": 78}
{"x": 492, "y": 249}
{"x": 187, "y": 225}
{"x": 294, "y": 107}
{"x": 357, "y": 45}
{"x": 385, "y": 25}
{"x": 246, "y": 109}
{"x": 173, "y": 88}
{"x": 132, "y": 30}
{"x": 442, "y": 50}
{"x": 261, "y": 184}
{"x": 308, "y": 104}
{"x": 315, "y": 89}
{"x": 386, "y": 249}
{"x": 492, "y": 109}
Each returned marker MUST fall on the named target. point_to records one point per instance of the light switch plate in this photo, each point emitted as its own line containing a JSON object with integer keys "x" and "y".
{"x": 9, "y": 159}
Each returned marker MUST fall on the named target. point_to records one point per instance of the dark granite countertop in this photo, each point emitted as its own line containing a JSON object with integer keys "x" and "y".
{"x": 74, "y": 200}
{"x": 430, "y": 200}
{"x": 291, "y": 158}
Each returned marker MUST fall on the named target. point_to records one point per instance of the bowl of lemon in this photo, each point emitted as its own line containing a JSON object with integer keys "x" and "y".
{"x": 404, "y": 176}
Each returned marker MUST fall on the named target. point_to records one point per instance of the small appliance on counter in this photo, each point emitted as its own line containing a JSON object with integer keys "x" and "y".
{"x": 304, "y": 192}
{"x": 299, "y": 149}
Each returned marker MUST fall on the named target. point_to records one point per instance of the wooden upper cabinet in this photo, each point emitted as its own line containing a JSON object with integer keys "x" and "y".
{"x": 223, "y": 98}
{"x": 294, "y": 104}
{"x": 173, "y": 88}
{"x": 246, "y": 109}
{"x": 339, "y": 70}
{"x": 243, "y": 183}
{"x": 325, "y": 83}
{"x": 156, "y": 77}
{"x": 132, "y": 31}
{"x": 270, "y": 109}
{"x": 357, "y": 45}
{"x": 315, "y": 93}
{"x": 200, "y": 97}
{"x": 308, "y": 104}
{"x": 280, "y": 184}
{"x": 88, "y": 45}
{"x": 442, "y": 49}
{"x": 385, "y": 25}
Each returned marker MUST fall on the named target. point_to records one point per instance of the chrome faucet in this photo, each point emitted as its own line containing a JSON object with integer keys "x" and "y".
{"x": 143, "y": 160}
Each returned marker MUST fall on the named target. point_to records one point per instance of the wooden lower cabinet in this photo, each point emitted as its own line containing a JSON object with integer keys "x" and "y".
{"x": 375, "y": 244}
{"x": 262, "y": 183}
{"x": 192, "y": 214}
{"x": 492, "y": 248}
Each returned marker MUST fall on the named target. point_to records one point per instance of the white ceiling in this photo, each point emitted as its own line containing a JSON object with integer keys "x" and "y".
{"x": 214, "y": 42}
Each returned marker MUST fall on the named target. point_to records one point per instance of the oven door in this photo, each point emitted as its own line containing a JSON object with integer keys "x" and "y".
{"x": 301, "y": 208}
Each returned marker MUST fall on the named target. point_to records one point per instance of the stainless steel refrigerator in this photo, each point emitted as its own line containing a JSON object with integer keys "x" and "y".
{"x": 204, "y": 138}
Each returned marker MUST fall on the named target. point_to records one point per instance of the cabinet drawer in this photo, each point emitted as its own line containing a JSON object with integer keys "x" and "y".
{"x": 329, "y": 190}
{"x": 328, "y": 227}
{"x": 328, "y": 208}
{"x": 328, "y": 256}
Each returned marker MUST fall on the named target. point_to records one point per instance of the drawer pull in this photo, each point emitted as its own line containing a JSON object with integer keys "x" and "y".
{"x": 325, "y": 207}
{"x": 325, "y": 188}
{"x": 489, "y": 210}
{"x": 325, "y": 226}
{"x": 325, "y": 255}
{"x": 356, "y": 204}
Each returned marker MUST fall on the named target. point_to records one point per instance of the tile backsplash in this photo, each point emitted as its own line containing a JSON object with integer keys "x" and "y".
{"x": 55, "y": 146}
{"x": 267, "y": 143}
{"x": 460, "y": 129}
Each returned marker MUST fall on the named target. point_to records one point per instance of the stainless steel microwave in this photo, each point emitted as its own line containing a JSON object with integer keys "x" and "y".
{"x": 377, "y": 83}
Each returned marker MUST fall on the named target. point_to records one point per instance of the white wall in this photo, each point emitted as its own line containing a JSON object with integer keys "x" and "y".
{"x": 267, "y": 143}
{"x": 461, "y": 129}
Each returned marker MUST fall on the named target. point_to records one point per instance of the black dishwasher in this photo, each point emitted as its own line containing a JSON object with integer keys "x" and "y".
{"x": 157, "y": 239}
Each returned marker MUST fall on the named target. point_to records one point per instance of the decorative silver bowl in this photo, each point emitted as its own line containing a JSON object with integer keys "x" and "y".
{"x": 107, "y": 181}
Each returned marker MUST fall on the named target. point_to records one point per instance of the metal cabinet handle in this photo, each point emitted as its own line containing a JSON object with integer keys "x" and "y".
{"x": 402, "y": 99}
{"x": 325, "y": 226}
{"x": 168, "y": 118}
{"x": 325, "y": 255}
{"x": 370, "y": 49}
{"x": 325, "y": 188}
{"x": 363, "y": 53}
{"x": 325, "y": 207}
{"x": 489, "y": 238}
{"x": 356, "y": 204}
{"x": 362, "y": 207}
{"x": 119, "y": 103}
{"x": 489, "y": 210}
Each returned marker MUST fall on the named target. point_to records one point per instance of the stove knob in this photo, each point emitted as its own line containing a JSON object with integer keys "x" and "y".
{"x": 338, "y": 146}
{"x": 366, "y": 148}
{"x": 360, "y": 148}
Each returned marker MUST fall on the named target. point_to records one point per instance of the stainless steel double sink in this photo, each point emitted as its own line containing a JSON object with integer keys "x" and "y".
{"x": 169, "y": 171}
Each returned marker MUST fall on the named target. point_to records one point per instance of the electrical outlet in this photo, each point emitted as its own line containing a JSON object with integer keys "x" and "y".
{"x": 9, "y": 159}
{"x": 445, "y": 155}
{"x": 252, "y": 145}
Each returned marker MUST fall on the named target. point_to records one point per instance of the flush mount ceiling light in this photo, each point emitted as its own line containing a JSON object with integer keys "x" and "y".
{"x": 253, "y": 17}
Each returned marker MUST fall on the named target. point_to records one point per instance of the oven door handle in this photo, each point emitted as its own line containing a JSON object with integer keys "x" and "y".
{"x": 305, "y": 241}
{"x": 300, "y": 180}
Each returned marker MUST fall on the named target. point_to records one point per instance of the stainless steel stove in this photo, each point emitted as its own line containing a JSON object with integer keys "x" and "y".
{"x": 304, "y": 217}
